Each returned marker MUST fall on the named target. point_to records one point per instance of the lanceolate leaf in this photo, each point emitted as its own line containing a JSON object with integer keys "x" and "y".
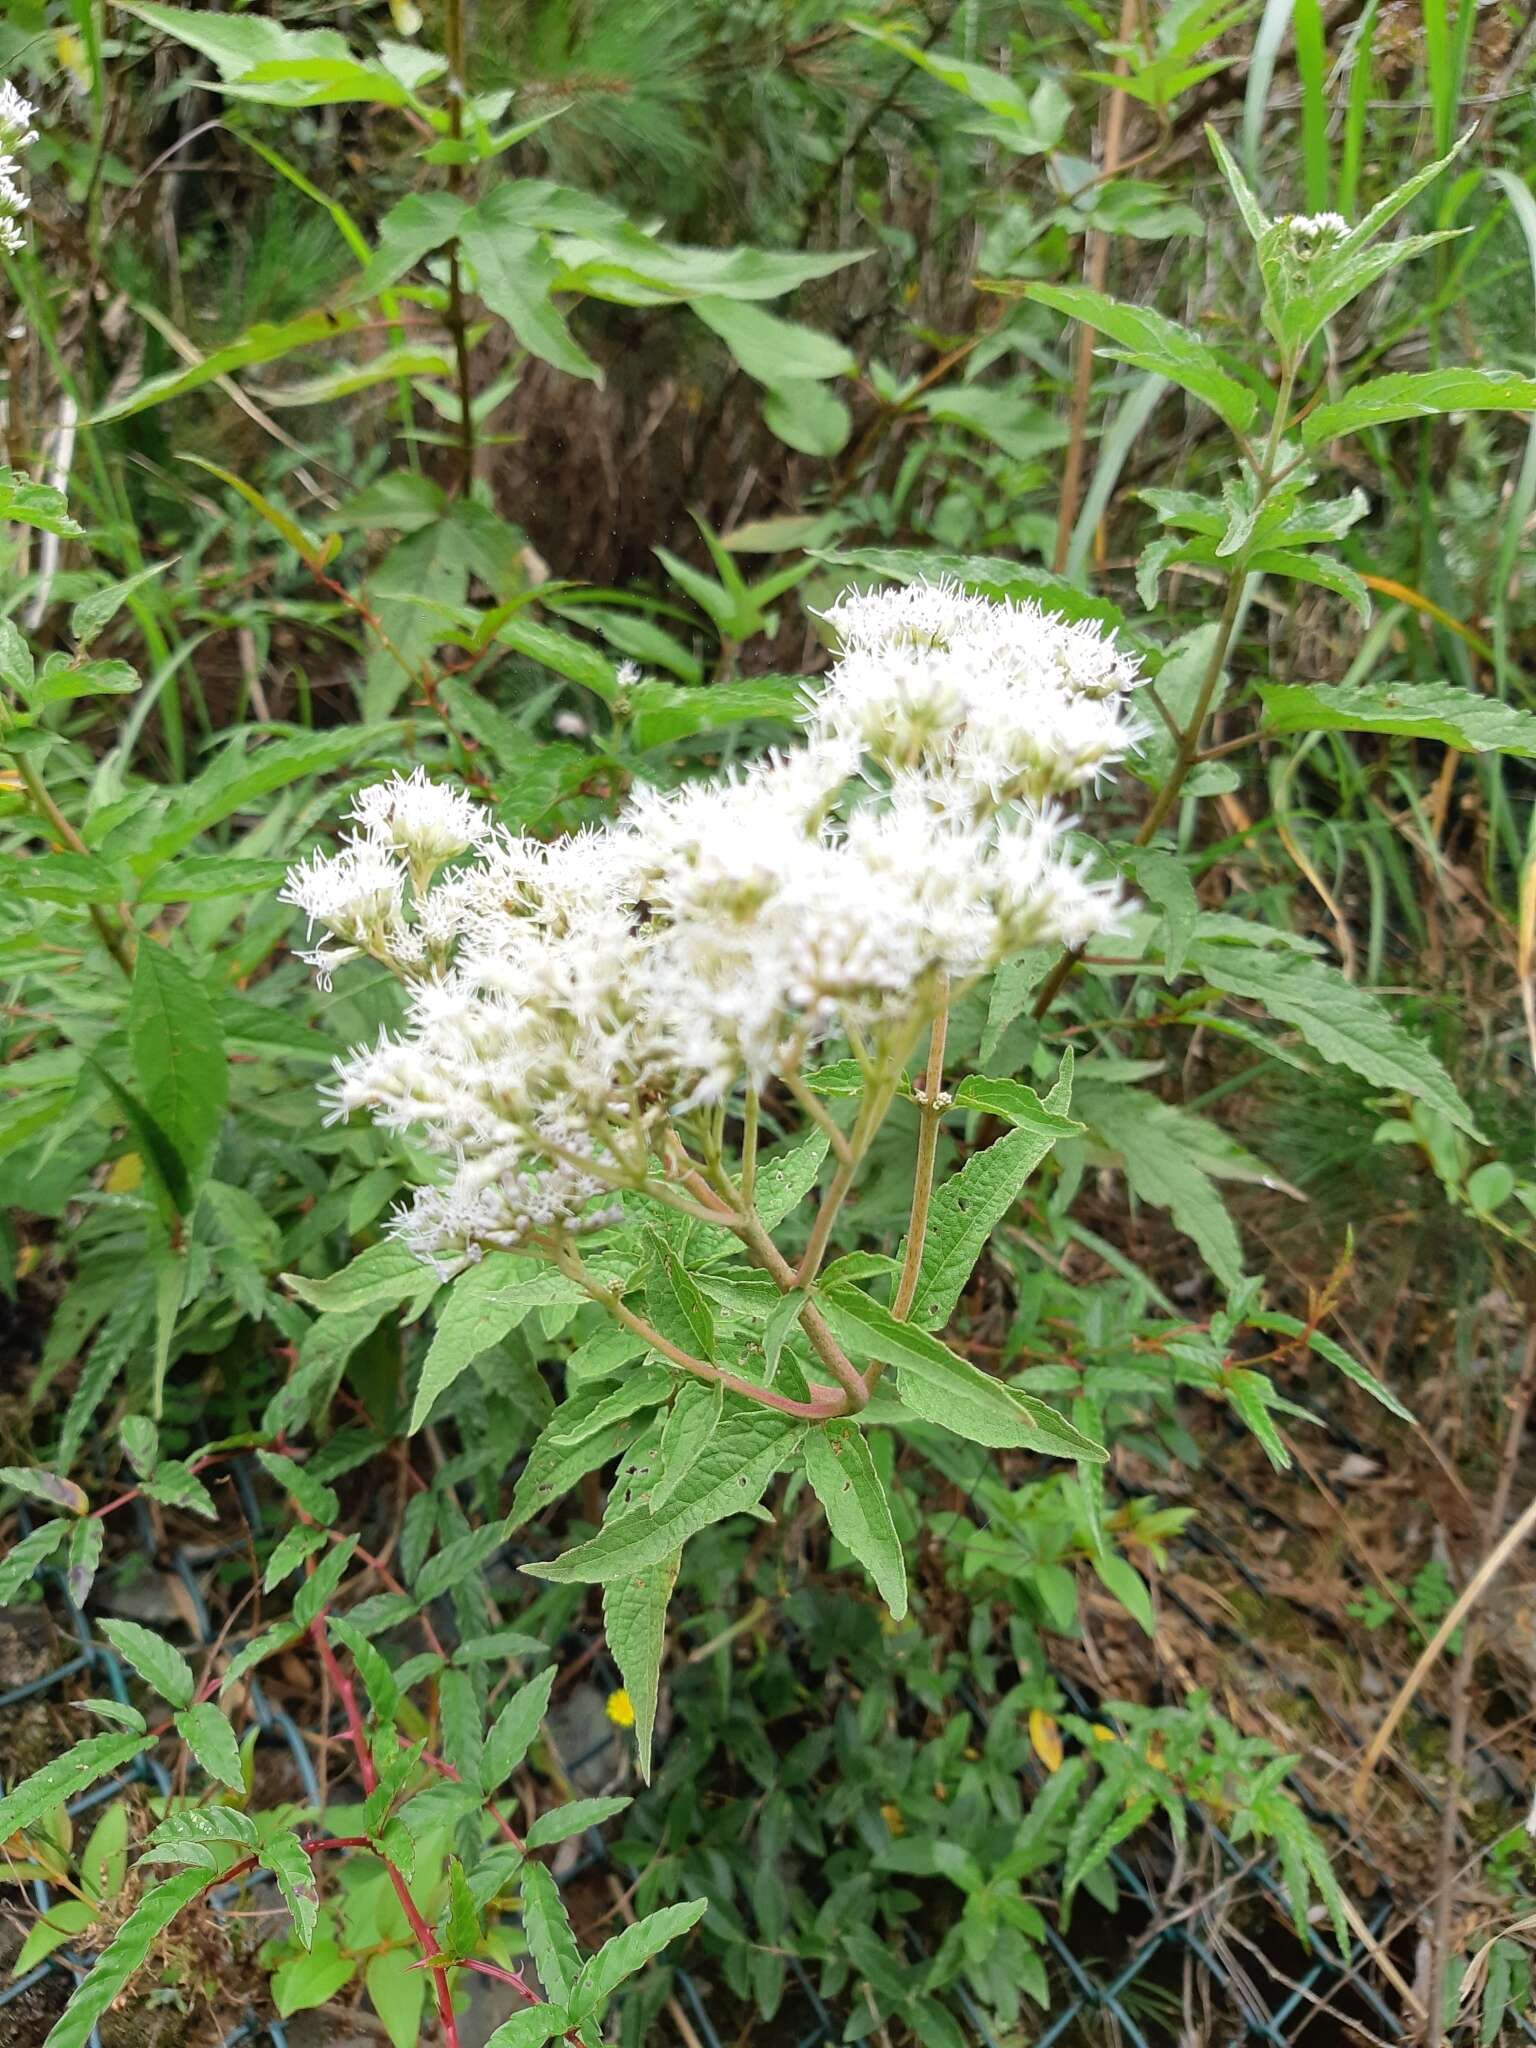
{"x": 942, "y": 1387}
{"x": 635, "y": 1622}
{"x": 968, "y": 1208}
{"x": 1148, "y": 341}
{"x": 602, "y": 1974}
{"x": 1338, "y": 1020}
{"x": 512, "y": 1733}
{"x": 159, "y": 1663}
{"x": 66, "y": 1778}
{"x": 840, "y": 1468}
{"x": 1151, "y": 1139}
{"x": 1413, "y": 394}
{"x": 695, "y": 1416}
{"x": 737, "y": 1463}
{"x": 485, "y": 1305}
{"x": 1426, "y": 711}
{"x": 211, "y": 1740}
{"x": 284, "y": 1855}
{"x": 123, "y": 1955}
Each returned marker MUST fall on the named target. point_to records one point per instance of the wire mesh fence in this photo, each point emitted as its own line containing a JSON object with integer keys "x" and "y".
{"x": 1256, "y": 1985}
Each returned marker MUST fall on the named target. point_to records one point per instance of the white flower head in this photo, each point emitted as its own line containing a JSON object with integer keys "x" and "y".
{"x": 425, "y": 821}
{"x": 566, "y": 1000}
{"x": 16, "y": 133}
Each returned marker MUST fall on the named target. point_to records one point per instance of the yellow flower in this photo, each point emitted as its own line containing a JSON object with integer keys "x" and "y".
{"x": 621, "y": 1709}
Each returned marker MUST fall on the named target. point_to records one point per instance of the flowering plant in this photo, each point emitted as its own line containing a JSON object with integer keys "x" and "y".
{"x": 593, "y": 1027}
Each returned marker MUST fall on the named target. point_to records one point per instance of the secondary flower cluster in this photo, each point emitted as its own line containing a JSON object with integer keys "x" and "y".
{"x": 567, "y": 1001}
{"x": 16, "y": 133}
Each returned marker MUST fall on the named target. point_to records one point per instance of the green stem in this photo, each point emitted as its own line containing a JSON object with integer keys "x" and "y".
{"x": 815, "y": 1410}
{"x": 931, "y": 1113}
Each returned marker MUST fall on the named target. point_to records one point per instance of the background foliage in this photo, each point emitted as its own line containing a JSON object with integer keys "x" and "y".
{"x": 378, "y": 382}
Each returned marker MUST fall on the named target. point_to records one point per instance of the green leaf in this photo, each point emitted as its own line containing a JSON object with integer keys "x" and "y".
{"x": 1343, "y": 1023}
{"x": 574, "y": 1818}
{"x": 1154, "y": 1142}
{"x": 99, "y": 607}
{"x": 208, "y": 1735}
{"x": 397, "y": 1988}
{"x": 746, "y": 1450}
{"x": 675, "y": 1305}
{"x": 63, "y": 1780}
{"x": 283, "y": 1854}
{"x": 26, "y": 1554}
{"x": 1416, "y": 394}
{"x": 512, "y": 1734}
{"x": 635, "y": 1623}
{"x": 65, "y": 1920}
{"x": 968, "y": 1208}
{"x": 547, "y": 1927}
{"x": 484, "y": 1305}
{"x": 159, "y": 1663}
{"x": 51, "y": 1487}
{"x": 1164, "y": 879}
{"x": 602, "y": 1974}
{"x": 62, "y": 681}
{"x": 1252, "y": 1395}
{"x": 1336, "y": 1356}
{"x": 771, "y": 350}
{"x": 694, "y": 1417}
{"x": 381, "y": 1276}
{"x": 124, "y": 1954}
{"x": 316, "y": 1499}
{"x": 62, "y": 878}
{"x": 305, "y": 1981}
{"x": 516, "y": 274}
{"x": 38, "y": 505}
{"x": 263, "y": 343}
{"x": 530, "y": 2028}
{"x": 320, "y": 1587}
{"x": 1426, "y": 711}
{"x": 942, "y": 1387}
{"x": 840, "y": 1468}
{"x": 806, "y": 416}
{"x": 1015, "y": 1104}
{"x": 1148, "y": 341}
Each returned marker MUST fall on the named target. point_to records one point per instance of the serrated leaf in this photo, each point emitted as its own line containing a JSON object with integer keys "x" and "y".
{"x": 178, "y": 1055}
{"x": 968, "y": 1208}
{"x": 319, "y": 1589}
{"x": 124, "y": 1954}
{"x": 283, "y": 1854}
{"x": 674, "y": 1303}
{"x": 731, "y": 1473}
{"x": 1418, "y": 394}
{"x": 381, "y": 1276}
{"x": 484, "y": 1306}
{"x": 1345, "y": 1024}
{"x": 635, "y": 1623}
{"x": 24, "y": 1557}
{"x": 944, "y": 1388}
{"x": 208, "y": 1735}
{"x": 316, "y": 1498}
{"x": 1148, "y": 341}
{"x": 840, "y": 1468}
{"x": 547, "y": 1927}
{"x": 574, "y": 1818}
{"x": 602, "y": 1974}
{"x": 82, "y": 1559}
{"x": 1336, "y": 1356}
{"x": 693, "y": 1419}
{"x": 51, "y": 1487}
{"x": 159, "y": 1663}
{"x": 1429, "y": 711}
{"x": 512, "y": 1733}
{"x": 65, "y": 1778}
{"x": 530, "y": 2028}
{"x": 1150, "y": 1138}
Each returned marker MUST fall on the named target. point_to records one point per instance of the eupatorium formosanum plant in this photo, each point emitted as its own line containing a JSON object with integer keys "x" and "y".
{"x": 591, "y": 1027}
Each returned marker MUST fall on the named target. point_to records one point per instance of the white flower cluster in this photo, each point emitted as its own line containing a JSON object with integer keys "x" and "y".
{"x": 16, "y": 133}
{"x": 566, "y": 1001}
{"x": 1008, "y": 700}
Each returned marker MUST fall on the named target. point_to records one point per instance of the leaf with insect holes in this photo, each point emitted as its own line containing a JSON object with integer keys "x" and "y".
{"x": 635, "y": 1623}
{"x": 840, "y": 1468}
{"x": 159, "y": 1663}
